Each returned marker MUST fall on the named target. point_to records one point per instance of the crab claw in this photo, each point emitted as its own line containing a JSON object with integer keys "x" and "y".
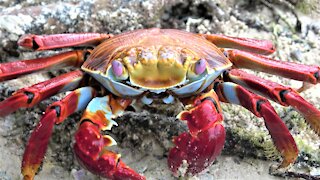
{"x": 90, "y": 148}
{"x": 198, "y": 149}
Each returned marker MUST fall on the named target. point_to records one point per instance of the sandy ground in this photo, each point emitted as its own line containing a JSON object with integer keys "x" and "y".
{"x": 144, "y": 146}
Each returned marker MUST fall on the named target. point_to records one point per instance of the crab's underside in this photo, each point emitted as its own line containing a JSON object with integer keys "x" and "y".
{"x": 155, "y": 64}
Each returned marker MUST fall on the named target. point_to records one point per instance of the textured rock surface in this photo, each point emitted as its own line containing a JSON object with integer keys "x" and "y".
{"x": 139, "y": 132}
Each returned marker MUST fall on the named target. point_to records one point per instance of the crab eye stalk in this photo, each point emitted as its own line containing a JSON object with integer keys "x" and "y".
{"x": 200, "y": 66}
{"x": 118, "y": 70}
{"x": 197, "y": 69}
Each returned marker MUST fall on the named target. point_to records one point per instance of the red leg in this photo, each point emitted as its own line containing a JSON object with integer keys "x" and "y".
{"x": 45, "y": 42}
{"x": 261, "y": 107}
{"x": 56, "y": 113}
{"x": 15, "y": 69}
{"x": 91, "y": 146}
{"x": 278, "y": 93}
{"x": 199, "y": 148}
{"x": 300, "y": 72}
{"x": 246, "y": 44}
{"x": 30, "y": 96}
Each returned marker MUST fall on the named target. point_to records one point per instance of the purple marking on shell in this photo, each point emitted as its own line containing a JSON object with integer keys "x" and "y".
{"x": 200, "y": 66}
{"x": 117, "y": 68}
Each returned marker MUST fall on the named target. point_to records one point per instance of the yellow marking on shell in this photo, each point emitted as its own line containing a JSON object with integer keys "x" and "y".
{"x": 156, "y": 74}
{"x": 187, "y": 62}
{"x": 157, "y": 67}
{"x": 127, "y": 62}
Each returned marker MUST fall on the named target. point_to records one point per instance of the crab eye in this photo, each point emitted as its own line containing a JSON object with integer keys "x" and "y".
{"x": 197, "y": 69}
{"x": 200, "y": 66}
{"x": 119, "y": 70}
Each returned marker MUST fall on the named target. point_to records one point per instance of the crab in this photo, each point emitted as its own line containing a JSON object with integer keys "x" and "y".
{"x": 149, "y": 66}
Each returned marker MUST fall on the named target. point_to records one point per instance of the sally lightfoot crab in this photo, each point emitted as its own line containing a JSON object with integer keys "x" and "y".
{"x": 152, "y": 65}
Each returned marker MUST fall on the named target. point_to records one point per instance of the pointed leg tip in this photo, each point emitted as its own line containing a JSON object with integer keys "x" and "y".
{"x": 286, "y": 163}
{"x": 28, "y": 173}
{"x": 27, "y": 177}
{"x": 11, "y": 104}
{"x": 310, "y": 113}
{"x": 126, "y": 172}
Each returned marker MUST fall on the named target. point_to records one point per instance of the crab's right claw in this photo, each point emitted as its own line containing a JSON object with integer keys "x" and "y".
{"x": 198, "y": 149}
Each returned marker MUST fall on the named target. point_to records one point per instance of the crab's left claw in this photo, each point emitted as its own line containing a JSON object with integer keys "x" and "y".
{"x": 197, "y": 150}
{"x": 90, "y": 148}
